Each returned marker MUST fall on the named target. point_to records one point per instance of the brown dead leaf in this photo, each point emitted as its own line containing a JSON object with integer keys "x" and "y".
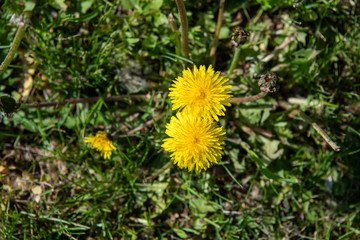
{"x": 4, "y": 169}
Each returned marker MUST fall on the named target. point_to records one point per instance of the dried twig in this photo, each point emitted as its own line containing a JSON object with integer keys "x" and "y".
{"x": 317, "y": 128}
{"x": 79, "y": 100}
{"x": 217, "y": 32}
{"x": 148, "y": 123}
{"x": 278, "y": 49}
{"x": 248, "y": 99}
{"x": 184, "y": 31}
{"x": 175, "y": 30}
{"x": 157, "y": 173}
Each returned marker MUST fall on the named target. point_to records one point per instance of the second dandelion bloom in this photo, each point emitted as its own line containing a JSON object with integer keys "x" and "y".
{"x": 195, "y": 142}
{"x": 101, "y": 143}
{"x": 202, "y": 92}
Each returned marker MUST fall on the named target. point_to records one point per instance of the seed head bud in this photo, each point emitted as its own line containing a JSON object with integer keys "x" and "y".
{"x": 268, "y": 82}
{"x": 239, "y": 36}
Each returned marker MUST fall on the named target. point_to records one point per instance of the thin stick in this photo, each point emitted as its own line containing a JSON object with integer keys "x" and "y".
{"x": 278, "y": 49}
{"x": 326, "y": 137}
{"x": 217, "y": 32}
{"x": 248, "y": 99}
{"x": 317, "y": 128}
{"x": 322, "y": 133}
{"x": 184, "y": 31}
{"x": 148, "y": 123}
{"x": 157, "y": 173}
{"x": 15, "y": 44}
{"x": 78, "y": 100}
{"x": 175, "y": 30}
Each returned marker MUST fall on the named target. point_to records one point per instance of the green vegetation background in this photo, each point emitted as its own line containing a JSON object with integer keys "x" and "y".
{"x": 278, "y": 179}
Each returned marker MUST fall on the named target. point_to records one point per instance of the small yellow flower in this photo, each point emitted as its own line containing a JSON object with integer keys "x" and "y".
{"x": 101, "y": 143}
{"x": 202, "y": 91}
{"x": 195, "y": 142}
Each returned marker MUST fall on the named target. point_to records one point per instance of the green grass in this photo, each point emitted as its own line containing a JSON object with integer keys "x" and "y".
{"x": 278, "y": 179}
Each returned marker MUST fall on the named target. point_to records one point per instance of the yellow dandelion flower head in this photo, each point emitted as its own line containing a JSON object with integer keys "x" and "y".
{"x": 195, "y": 141}
{"x": 202, "y": 91}
{"x": 101, "y": 143}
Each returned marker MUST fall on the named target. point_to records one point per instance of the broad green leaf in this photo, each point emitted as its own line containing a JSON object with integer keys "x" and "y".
{"x": 160, "y": 19}
{"x": 154, "y": 5}
{"x": 59, "y": 4}
{"x": 29, "y": 125}
{"x": 201, "y": 205}
{"x": 29, "y": 6}
{"x": 225, "y": 32}
{"x": 269, "y": 174}
{"x": 85, "y": 5}
{"x": 271, "y": 147}
{"x": 132, "y": 41}
{"x": 310, "y": 16}
{"x": 180, "y": 233}
{"x": 130, "y": 4}
{"x": 256, "y": 158}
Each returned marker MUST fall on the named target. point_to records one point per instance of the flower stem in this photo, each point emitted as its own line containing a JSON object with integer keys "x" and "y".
{"x": 234, "y": 61}
{"x": 217, "y": 32}
{"x": 249, "y": 99}
{"x": 15, "y": 44}
{"x": 184, "y": 31}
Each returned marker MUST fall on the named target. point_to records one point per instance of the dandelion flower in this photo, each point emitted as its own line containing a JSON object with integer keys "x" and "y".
{"x": 101, "y": 143}
{"x": 202, "y": 91}
{"x": 195, "y": 142}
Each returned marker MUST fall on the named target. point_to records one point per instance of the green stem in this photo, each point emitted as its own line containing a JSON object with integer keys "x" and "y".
{"x": 217, "y": 32}
{"x": 15, "y": 44}
{"x": 184, "y": 31}
{"x": 234, "y": 61}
